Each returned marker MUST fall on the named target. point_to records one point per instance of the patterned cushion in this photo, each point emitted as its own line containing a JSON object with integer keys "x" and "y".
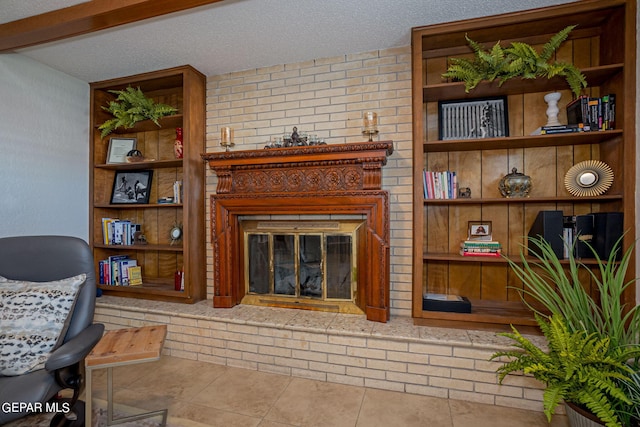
{"x": 33, "y": 321}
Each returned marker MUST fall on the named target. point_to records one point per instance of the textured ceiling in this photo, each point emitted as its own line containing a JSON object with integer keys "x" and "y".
{"x": 236, "y": 35}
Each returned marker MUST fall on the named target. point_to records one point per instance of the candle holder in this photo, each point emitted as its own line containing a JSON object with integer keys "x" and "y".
{"x": 370, "y": 120}
{"x": 226, "y": 138}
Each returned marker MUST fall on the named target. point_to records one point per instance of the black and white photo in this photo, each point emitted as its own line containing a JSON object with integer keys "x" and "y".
{"x": 131, "y": 187}
{"x": 473, "y": 118}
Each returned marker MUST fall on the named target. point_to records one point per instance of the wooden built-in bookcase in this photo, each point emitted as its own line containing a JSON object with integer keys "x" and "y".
{"x": 183, "y": 88}
{"x": 603, "y": 46}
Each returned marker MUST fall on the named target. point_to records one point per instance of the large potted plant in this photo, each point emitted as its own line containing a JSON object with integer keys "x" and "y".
{"x": 572, "y": 321}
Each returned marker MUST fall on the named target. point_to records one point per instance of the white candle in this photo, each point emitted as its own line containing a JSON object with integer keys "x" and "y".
{"x": 226, "y": 135}
{"x": 370, "y": 120}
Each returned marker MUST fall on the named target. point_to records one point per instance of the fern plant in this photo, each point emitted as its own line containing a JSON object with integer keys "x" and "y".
{"x": 517, "y": 60}
{"x": 578, "y": 367}
{"x": 132, "y": 106}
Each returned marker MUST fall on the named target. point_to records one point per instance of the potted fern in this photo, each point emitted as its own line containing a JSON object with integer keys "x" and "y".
{"x": 578, "y": 367}
{"x": 130, "y": 107}
{"x": 517, "y": 60}
{"x": 583, "y": 332}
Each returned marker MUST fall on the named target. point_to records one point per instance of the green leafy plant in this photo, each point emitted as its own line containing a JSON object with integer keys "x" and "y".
{"x": 557, "y": 290}
{"x": 132, "y": 106}
{"x": 578, "y": 367}
{"x": 517, "y": 60}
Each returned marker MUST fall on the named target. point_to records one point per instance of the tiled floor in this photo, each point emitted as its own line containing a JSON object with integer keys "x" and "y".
{"x": 216, "y": 395}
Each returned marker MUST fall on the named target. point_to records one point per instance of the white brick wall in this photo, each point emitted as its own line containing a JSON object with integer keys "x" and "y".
{"x": 326, "y": 97}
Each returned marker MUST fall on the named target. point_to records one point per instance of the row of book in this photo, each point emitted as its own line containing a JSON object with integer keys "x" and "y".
{"x": 119, "y": 270}
{"x": 480, "y": 248}
{"x": 591, "y": 113}
{"x": 440, "y": 185}
{"x": 119, "y": 232}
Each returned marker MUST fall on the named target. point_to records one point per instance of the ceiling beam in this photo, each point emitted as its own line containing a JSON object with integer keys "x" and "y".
{"x": 84, "y": 18}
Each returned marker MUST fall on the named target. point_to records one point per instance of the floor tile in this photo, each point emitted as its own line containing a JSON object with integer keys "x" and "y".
{"x": 313, "y": 403}
{"x": 465, "y": 414}
{"x": 386, "y": 408}
{"x": 243, "y": 391}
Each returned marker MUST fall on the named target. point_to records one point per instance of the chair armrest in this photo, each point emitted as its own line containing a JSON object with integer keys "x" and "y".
{"x": 76, "y": 349}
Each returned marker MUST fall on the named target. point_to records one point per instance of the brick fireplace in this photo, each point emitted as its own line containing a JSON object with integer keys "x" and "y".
{"x": 324, "y": 182}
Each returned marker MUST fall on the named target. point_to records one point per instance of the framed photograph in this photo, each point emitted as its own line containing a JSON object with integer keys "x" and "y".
{"x": 473, "y": 118}
{"x": 479, "y": 230}
{"x": 131, "y": 187}
{"x": 118, "y": 149}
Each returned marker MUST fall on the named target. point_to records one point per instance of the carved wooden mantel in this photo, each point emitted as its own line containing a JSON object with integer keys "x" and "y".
{"x": 339, "y": 179}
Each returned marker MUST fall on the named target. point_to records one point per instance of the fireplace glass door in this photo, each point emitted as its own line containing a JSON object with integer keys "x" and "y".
{"x": 301, "y": 260}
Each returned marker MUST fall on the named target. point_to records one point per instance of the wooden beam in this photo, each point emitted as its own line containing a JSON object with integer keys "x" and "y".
{"x": 84, "y": 18}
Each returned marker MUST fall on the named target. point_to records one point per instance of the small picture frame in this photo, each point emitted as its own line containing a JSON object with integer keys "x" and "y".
{"x": 480, "y": 231}
{"x": 118, "y": 149}
{"x": 473, "y": 118}
{"x": 131, "y": 187}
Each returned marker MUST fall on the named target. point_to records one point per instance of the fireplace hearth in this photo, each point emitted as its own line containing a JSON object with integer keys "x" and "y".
{"x": 267, "y": 200}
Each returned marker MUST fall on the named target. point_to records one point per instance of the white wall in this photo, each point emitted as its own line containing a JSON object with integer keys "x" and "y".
{"x": 44, "y": 173}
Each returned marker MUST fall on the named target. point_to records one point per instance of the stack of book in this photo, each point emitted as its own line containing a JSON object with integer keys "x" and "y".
{"x": 486, "y": 248}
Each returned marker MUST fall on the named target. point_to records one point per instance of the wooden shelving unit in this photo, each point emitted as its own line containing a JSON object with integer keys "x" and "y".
{"x": 603, "y": 46}
{"x": 183, "y": 88}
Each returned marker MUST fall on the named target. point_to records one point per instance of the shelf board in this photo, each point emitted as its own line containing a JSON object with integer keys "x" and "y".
{"x": 150, "y": 289}
{"x": 166, "y": 122}
{"x": 501, "y": 200}
{"x": 484, "y": 311}
{"x": 137, "y": 205}
{"x": 153, "y": 164}
{"x": 148, "y": 247}
{"x": 455, "y": 257}
{"x": 450, "y": 91}
{"x": 555, "y": 140}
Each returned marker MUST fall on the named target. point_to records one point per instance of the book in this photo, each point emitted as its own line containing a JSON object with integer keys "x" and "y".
{"x": 124, "y": 267}
{"x": 135, "y": 276}
{"x": 550, "y": 130}
{"x": 480, "y": 244}
{"x": 495, "y": 254}
{"x": 112, "y": 269}
{"x": 578, "y": 111}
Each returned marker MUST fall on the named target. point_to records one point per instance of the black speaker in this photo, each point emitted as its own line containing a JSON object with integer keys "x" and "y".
{"x": 548, "y": 225}
{"x": 607, "y": 229}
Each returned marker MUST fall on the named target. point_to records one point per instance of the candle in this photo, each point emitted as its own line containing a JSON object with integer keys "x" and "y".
{"x": 226, "y": 135}
{"x": 370, "y": 120}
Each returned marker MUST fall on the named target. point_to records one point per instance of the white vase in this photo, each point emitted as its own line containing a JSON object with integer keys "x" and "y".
{"x": 552, "y": 108}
